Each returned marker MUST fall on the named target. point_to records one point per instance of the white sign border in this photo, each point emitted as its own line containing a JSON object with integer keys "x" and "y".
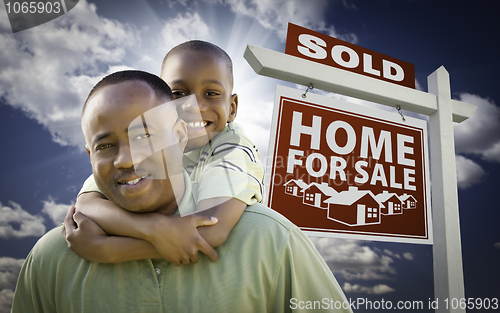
{"x": 366, "y": 112}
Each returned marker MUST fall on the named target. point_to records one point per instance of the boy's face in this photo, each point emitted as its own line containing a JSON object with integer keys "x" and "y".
{"x": 207, "y": 77}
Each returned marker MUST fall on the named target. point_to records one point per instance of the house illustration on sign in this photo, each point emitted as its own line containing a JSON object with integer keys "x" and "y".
{"x": 294, "y": 187}
{"x": 352, "y": 207}
{"x": 409, "y": 201}
{"x": 391, "y": 201}
{"x": 355, "y": 207}
{"x": 316, "y": 194}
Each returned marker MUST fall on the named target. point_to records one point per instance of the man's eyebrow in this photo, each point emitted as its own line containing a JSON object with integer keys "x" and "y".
{"x": 140, "y": 126}
{"x": 102, "y": 136}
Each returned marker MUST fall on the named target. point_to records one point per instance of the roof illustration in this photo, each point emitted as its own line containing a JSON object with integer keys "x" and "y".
{"x": 384, "y": 196}
{"x": 323, "y": 187}
{"x": 350, "y": 196}
{"x": 299, "y": 183}
{"x": 405, "y": 196}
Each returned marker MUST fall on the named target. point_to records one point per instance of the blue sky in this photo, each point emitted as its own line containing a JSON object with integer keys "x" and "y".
{"x": 46, "y": 73}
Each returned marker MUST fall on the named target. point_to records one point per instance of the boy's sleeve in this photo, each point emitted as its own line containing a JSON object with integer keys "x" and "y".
{"x": 233, "y": 169}
{"x": 89, "y": 185}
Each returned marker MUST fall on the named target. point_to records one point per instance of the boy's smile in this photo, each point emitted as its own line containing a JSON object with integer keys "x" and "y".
{"x": 207, "y": 77}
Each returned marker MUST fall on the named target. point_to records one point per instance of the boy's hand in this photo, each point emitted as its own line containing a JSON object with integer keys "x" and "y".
{"x": 177, "y": 238}
{"x": 84, "y": 237}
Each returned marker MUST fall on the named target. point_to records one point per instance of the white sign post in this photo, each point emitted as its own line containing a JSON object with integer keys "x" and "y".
{"x": 442, "y": 110}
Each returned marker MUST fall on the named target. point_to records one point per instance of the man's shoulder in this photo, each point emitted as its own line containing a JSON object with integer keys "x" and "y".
{"x": 259, "y": 214}
{"x": 52, "y": 245}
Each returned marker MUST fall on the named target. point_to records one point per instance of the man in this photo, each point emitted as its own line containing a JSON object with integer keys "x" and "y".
{"x": 266, "y": 265}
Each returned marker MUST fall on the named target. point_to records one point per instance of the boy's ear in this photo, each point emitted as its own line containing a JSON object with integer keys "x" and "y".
{"x": 233, "y": 108}
{"x": 180, "y": 133}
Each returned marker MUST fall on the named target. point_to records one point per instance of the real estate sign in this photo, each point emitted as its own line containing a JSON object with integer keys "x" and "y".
{"x": 345, "y": 170}
{"x": 317, "y": 47}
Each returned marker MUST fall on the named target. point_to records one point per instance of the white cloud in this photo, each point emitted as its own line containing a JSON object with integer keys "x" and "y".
{"x": 497, "y": 245}
{"x": 17, "y": 223}
{"x": 353, "y": 261}
{"x": 408, "y": 256}
{"x": 182, "y": 28}
{"x": 9, "y": 271}
{"x": 257, "y": 126}
{"x": 390, "y": 253}
{"x": 6, "y": 297}
{"x": 480, "y": 134}
{"x": 377, "y": 289}
{"x": 468, "y": 172}
{"x": 47, "y": 71}
{"x": 275, "y": 15}
{"x": 55, "y": 211}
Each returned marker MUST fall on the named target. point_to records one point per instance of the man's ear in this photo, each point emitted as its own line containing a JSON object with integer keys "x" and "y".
{"x": 233, "y": 107}
{"x": 180, "y": 133}
{"x": 88, "y": 152}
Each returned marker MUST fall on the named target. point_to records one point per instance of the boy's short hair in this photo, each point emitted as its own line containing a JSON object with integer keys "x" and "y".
{"x": 206, "y": 47}
{"x": 160, "y": 88}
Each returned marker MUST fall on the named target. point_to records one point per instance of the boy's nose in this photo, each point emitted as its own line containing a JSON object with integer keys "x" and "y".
{"x": 202, "y": 106}
{"x": 194, "y": 104}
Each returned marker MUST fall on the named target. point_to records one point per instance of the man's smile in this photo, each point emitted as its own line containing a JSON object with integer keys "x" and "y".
{"x": 133, "y": 181}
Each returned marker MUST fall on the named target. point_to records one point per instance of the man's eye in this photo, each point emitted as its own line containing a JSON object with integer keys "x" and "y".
{"x": 102, "y": 147}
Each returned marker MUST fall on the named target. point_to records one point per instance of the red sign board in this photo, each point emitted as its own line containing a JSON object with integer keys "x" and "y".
{"x": 317, "y": 47}
{"x": 345, "y": 170}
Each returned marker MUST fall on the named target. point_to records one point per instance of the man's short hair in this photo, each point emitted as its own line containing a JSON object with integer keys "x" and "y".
{"x": 160, "y": 88}
{"x": 205, "y": 47}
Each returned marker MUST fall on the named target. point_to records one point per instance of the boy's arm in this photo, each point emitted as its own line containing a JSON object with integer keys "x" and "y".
{"x": 227, "y": 210}
{"x": 176, "y": 239}
{"x": 90, "y": 242}
{"x": 228, "y": 180}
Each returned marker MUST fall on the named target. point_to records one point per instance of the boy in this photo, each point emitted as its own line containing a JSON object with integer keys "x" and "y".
{"x": 219, "y": 158}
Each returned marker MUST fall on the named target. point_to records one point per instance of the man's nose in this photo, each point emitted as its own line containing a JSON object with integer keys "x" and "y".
{"x": 124, "y": 157}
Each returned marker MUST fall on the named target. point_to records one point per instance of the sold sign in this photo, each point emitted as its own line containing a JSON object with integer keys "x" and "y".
{"x": 310, "y": 45}
{"x": 27, "y": 14}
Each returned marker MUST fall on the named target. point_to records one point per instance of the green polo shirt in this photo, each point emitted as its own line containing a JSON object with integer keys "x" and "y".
{"x": 266, "y": 265}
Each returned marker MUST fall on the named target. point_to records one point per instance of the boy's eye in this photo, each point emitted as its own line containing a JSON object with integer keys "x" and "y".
{"x": 179, "y": 93}
{"x": 212, "y": 93}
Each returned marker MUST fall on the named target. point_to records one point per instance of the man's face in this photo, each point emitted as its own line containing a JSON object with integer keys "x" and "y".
{"x": 109, "y": 138}
{"x": 207, "y": 77}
